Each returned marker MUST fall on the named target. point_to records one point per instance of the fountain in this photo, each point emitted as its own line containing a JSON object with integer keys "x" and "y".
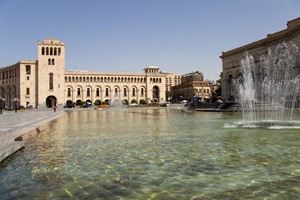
{"x": 269, "y": 93}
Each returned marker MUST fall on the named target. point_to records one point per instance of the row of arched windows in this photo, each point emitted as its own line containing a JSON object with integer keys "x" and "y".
{"x": 69, "y": 79}
{"x": 107, "y": 92}
{"x": 155, "y": 80}
{"x": 51, "y": 51}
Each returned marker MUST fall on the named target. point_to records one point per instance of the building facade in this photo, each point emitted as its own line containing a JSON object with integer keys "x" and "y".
{"x": 231, "y": 60}
{"x": 46, "y": 82}
{"x": 192, "y": 84}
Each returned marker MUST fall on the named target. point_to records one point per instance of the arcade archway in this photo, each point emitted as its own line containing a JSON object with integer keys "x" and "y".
{"x": 155, "y": 93}
{"x": 51, "y": 101}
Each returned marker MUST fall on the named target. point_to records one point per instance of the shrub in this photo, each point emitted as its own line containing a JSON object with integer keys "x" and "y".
{"x": 142, "y": 101}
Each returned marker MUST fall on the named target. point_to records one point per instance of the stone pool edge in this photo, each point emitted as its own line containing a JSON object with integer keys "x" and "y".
{"x": 13, "y": 140}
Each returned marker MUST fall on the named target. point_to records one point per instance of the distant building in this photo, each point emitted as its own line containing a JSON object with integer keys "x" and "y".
{"x": 46, "y": 83}
{"x": 231, "y": 59}
{"x": 192, "y": 84}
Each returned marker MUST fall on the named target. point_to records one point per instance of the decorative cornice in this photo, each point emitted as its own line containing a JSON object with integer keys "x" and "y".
{"x": 292, "y": 26}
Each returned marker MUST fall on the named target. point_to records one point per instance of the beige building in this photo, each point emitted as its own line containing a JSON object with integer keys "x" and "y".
{"x": 46, "y": 83}
{"x": 192, "y": 84}
{"x": 232, "y": 59}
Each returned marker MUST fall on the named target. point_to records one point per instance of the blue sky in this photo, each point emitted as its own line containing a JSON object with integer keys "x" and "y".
{"x": 127, "y": 36}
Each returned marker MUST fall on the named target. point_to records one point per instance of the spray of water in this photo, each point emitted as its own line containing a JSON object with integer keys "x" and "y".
{"x": 268, "y": 90}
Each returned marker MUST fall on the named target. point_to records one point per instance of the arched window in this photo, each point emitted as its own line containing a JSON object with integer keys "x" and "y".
{"x": 59, "y": 51}
{"x": 97, "y": 92}
{"x": 47, "y": 50}
{"x": 43, "y": 50}
{"x": 116, "y": 92}
{"x": 51, "y": 51}
{"x": 51, "y": 81}
{"x": 125, "y": 92}
{"x": 52, "y": 61}
{"x": 69, "y": 92}
{"x": 78, "y": 91}
{"x": 155, "y": 92}
{"x": 230, "y": 86}
{"x": 88, "y": 92}
{"x": 106, "y": 92}
{"x": 28, "y": 69}
{"x": 142, "y": 91}
{"x": 55, "y": 51}
{"x": 49, "y": 61}
{"x": 27, "y": 91}
{"x": 133, "y": 92}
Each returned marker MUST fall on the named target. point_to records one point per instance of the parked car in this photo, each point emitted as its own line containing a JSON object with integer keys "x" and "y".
{"x": 184, "y": 102}
{"x": 166, "y": 104}
{"x": 69, "y": 106}
{"x": 20, "y": 108}
{"x": 85, "y": 105}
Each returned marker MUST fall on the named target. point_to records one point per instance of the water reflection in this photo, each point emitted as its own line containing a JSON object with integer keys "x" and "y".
{"x": 153, "y": 154}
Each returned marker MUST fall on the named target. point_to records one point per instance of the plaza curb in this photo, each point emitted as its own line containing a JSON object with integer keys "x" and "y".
{"x": 14, "y": 139}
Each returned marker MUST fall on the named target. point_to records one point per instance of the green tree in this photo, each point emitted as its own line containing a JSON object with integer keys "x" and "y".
{"x": 142, "y": 101}
{"x": 168, "y": 95}
{"x": 133, "y": 101}
{"x": 97, "y": 102}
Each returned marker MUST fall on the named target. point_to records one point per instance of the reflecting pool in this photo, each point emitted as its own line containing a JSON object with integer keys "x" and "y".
{"x": 154, "y": 153}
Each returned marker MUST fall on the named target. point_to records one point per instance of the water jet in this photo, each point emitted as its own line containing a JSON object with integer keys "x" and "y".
{"x": 268, "y": 90}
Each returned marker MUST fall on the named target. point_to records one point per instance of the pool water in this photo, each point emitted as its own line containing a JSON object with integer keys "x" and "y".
{"x": 153, "y": 153}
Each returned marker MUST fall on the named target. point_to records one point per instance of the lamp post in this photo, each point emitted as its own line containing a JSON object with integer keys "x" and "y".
{"x": 15, "y": 101}
{"x": 1, "y": 104}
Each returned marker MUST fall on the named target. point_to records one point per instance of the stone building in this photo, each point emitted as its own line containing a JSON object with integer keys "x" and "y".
{"x": 231, "y": 60}
{"x": 46, "y": 82}
{"x": 192, "y": 84}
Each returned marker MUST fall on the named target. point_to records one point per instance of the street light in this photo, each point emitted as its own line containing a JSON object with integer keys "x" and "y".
{"x": 1, "y": 103}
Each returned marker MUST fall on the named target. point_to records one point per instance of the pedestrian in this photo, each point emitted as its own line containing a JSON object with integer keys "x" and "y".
{"x": 54, "y": 108}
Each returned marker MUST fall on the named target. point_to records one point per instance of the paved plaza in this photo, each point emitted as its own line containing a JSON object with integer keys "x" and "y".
{"x": 13, "y": 125}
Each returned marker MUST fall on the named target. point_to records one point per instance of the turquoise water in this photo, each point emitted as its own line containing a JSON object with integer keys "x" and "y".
{"x": 154, "y": 153}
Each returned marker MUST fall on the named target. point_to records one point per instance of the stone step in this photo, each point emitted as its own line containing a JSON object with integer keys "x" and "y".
{"x": 9, "y": 149}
